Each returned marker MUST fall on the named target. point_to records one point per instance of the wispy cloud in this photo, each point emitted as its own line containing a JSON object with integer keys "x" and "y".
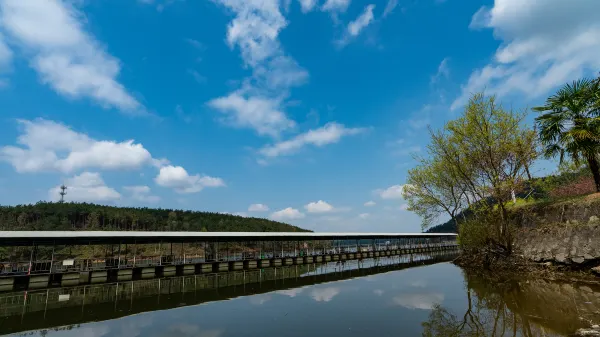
{"x": 328, "y": 134}
{"x": 259, "y": 103}
{"x": 442, "y": 72}
{"x": 389, "y": 7}
{"x": 536, "y": 55}
{"x": 201, "y": 79}
{"x": 64, "y": 54}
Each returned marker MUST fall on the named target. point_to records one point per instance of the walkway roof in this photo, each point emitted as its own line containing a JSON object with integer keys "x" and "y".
{"x": 27, "y": 238}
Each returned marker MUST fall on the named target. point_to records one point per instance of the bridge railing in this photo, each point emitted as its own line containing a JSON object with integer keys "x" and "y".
{"x": 205, "y": 252}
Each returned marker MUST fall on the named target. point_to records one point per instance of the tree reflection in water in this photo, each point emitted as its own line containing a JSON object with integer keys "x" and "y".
{"x": 516, "y": 308}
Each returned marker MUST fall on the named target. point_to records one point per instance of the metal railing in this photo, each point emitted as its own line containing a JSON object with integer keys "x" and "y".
{"x": 258, "y": 251}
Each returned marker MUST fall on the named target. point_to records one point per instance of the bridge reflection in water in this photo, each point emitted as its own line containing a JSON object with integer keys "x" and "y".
{"x": 44, "y": 309}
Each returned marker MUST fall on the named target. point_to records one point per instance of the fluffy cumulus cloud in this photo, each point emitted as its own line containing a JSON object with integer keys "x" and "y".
{"x": 362, "y": 21}
{"x": 142, "y": 194}
{"x": 86, "y": 187}
{"x": 287, "y": 214}
{"x": 370, "y": 203}
{"x": 544, "y": 44}
{"x": 258, "y": 208}
{"x": 328, "y": 134}
{"x": 49, "y": 146}
{"x": 318, "y": 207}
{"x": 392, "y": 192}
{"x": 262, "y": 114}
{"x": 177, "y": 178}
{"x": 363, "y": 215}
{"x": 335, "y": 5}
{"x": 65, "y": 55}
{"x": 259, "y": 103}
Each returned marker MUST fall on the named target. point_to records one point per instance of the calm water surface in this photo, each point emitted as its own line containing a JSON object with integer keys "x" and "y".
{"x": 328, "y": 300}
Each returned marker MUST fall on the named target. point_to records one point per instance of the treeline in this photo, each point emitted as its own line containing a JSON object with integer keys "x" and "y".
{"x": 85, "y": 216}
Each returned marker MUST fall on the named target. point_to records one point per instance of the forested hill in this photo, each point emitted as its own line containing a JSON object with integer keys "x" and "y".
{"x": 84, "y": 216}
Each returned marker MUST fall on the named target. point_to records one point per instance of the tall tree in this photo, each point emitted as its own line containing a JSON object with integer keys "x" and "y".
{"x": 482, "y": 156}
{"x": 570, "y": 124}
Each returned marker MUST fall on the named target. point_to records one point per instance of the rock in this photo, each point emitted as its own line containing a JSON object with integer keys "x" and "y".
{"x": 595, "y": 326}
{"x": 578, "y": 259}
{"x": 587, "y": 333}
{"x": 594, "y": 219}
{"x": 596, "y": 270}
{"x": 561, "y": 258}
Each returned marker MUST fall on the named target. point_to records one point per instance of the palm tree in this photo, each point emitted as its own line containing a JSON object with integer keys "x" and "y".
{"x": 570, "y": 124}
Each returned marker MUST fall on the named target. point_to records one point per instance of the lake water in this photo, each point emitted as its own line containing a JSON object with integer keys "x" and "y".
{"x": 389, "y": 297}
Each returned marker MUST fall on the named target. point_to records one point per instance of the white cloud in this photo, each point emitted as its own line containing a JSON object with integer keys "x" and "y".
{"x": 363, "y": 215}
{"x": 318, "y": 207}
{"x": 259, "y": 103}
{"x": 328, "y": 134}
{"x": 442, "y": 72}
{"x": 370, "y": 203}
{"x": 423, "y": 301}
{"x": 287, "y": 214}
{"x": 66, "y": 57}
{"x": 259, "y": 113}
{"x": 307, "y": 5}
{"x": 177, "y": 178}
{"x": 378, "y": 292}
{"x": 356, "y": 26}
{"x": 392, "y": 192}
{"x": 160, "y": 4}
{"x": 88, "y": 187}
{"x": 196, "y": 44}
{"x": 5, "y": 54}
{"x": 335, "y": 5}
{"x": 290, "y": 292}
{"x": 324, "y": 294}
{"x": 142, "y": 193}
{"x": 201, "y": 79}
{"x": 258, "y": 208}
{"x": 389, "y": 8}
{"x": 404, "y": 207}
{"x": 536, "y": 54}
{"x": 51, "y": 146}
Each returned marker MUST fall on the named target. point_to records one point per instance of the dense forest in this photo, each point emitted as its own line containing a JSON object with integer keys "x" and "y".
{"x": 85, "y": 216}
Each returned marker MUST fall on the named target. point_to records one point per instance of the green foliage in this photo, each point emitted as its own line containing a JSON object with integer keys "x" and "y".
{"x": 475, "y": 163}
{"x": 478, "y": 232}
{"x": 432, "y": 190}
{"x": 570, "y": 124}
{"x": 84, "y": 216}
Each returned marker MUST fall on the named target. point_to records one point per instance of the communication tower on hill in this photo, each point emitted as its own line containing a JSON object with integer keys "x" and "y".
{"x": 63, "y": 192}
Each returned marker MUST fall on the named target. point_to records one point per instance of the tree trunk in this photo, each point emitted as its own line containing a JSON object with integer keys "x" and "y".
{"x": 595, "y": 168}
{"x": 527, "y": 171}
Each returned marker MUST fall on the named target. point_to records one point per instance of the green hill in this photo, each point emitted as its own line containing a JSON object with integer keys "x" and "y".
{"x": 84, "y": 216}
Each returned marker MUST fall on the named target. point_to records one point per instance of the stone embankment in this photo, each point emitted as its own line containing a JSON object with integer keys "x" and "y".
{"x": 566, "y": 233}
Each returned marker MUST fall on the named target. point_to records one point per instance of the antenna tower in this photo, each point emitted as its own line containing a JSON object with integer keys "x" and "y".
{"x": 63, "y": 192}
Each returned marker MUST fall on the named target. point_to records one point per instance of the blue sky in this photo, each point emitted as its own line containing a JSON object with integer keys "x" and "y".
{"x": 302, "y": 111}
